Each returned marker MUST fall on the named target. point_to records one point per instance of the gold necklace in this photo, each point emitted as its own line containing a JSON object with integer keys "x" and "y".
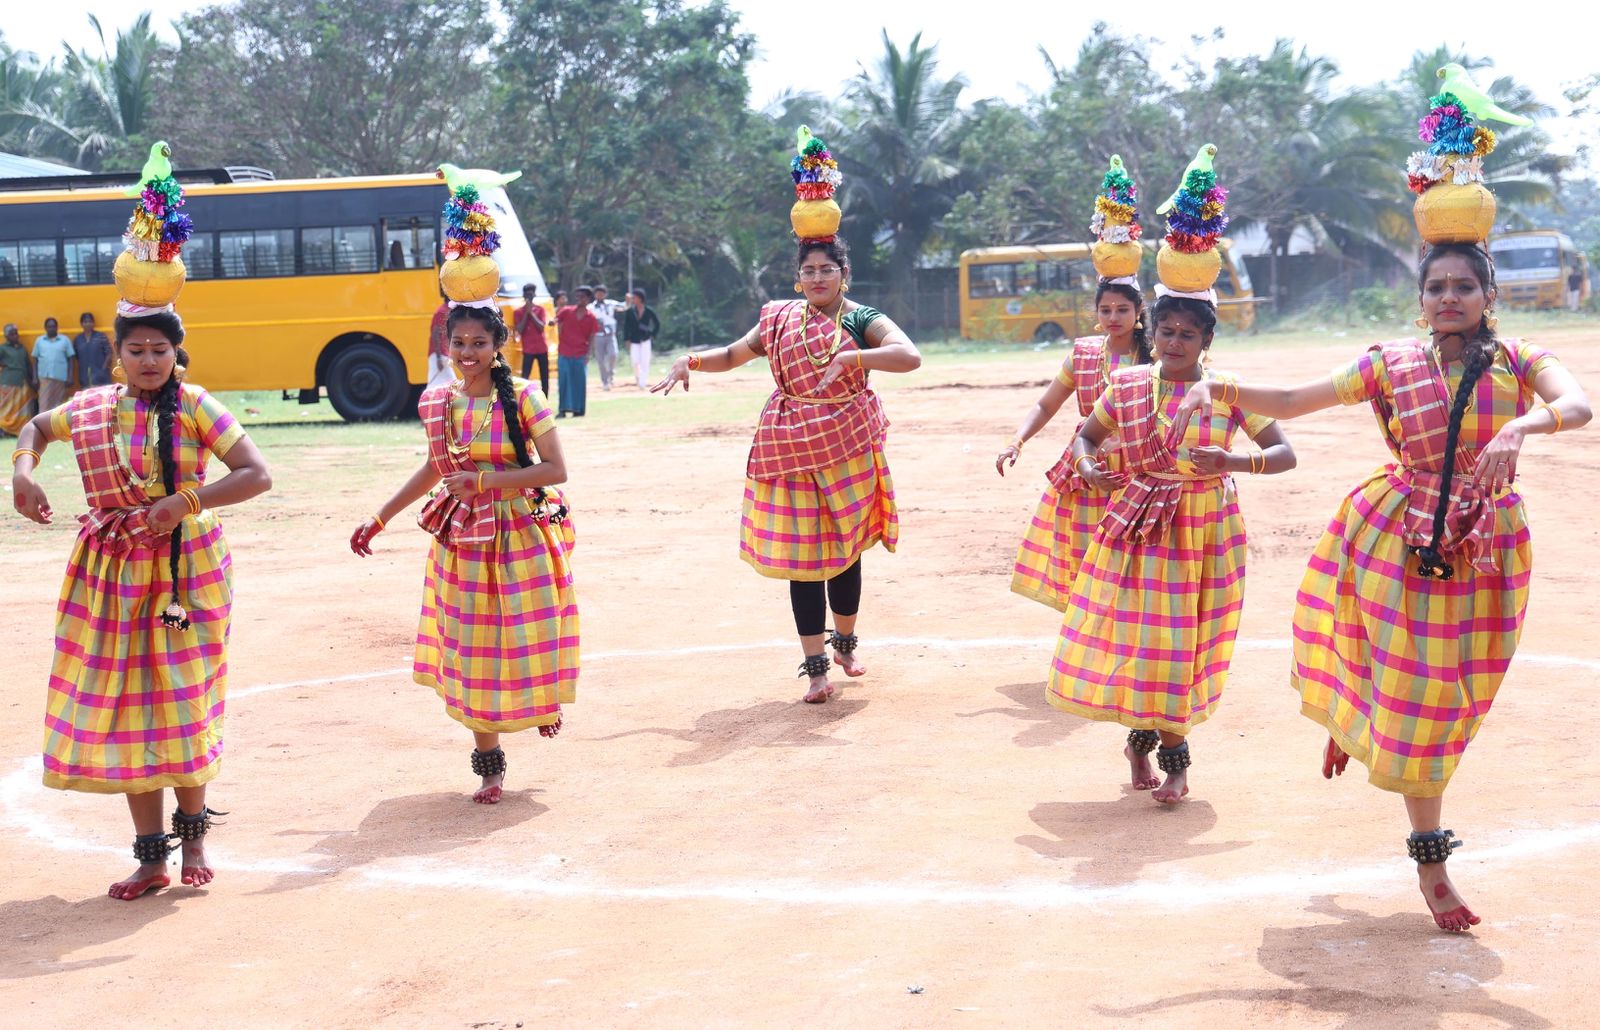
{"x": 1162, "y": 418}
{"x": 460, "y": 449}
{"x": 147, "y": 450}
{"x": 838, "y": 335}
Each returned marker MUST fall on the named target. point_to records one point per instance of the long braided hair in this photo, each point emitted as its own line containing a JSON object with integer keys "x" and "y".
{"x": 168, "y": 324}
{"x": 1477, "y": 354}
{"x": 1141, "y": 333}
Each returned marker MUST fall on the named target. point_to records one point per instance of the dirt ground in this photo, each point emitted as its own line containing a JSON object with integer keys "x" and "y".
{"x": 936, "y": 847}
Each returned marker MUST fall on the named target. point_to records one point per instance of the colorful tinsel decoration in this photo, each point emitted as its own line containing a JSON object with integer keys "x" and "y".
{"x": 815, "y": 172}
{"x": 1116, "y": 207}
{"x": 468, "y": 225}
{"x": 1457, "y": 146}
{"x": 1198, "y": 217}
{"x": 158, "y": 229}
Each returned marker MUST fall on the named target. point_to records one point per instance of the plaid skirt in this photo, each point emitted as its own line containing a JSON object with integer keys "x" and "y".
{"x": 814, "y": 525}
{"x": 498, "y": 635}
{"x": 1149, "y": 627}
{"x": 133, "y": 706}
{"x": 1398, "y": 669}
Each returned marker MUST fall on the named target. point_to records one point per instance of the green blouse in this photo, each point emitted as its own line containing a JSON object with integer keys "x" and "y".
{"x": 856, "y": 320}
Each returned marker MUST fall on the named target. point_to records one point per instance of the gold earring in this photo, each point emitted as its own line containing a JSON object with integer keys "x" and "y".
{"x": 1099, "y": 328}
{"x": 1420, "y": 322}
{"x": 119, "y": 373}
{"x": 845, "y": 288}
{"x": 1492, "y": 321}
{"x": 180, "y": 372}
{"x": 798, "y": 288}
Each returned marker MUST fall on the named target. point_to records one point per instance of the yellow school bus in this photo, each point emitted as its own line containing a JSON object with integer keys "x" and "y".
{"x": 1046, "y": 292}
{"x": 296, "y": 285}
{"x": 1536, "y": 269}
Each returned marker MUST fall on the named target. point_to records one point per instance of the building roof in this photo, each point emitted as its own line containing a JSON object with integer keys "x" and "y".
{"x": 14, "y": 165}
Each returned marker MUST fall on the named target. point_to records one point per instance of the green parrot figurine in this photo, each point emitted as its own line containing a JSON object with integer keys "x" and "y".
{"x": 482, "y": 178}
{"x": 157, "y": 166}
{"x": 1477, "y": 102}
{"x": 1201, "y": 163}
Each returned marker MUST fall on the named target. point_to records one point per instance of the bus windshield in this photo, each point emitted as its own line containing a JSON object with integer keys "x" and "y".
{"x": 515, "y": 256}
{"x": 1521, "y": 259}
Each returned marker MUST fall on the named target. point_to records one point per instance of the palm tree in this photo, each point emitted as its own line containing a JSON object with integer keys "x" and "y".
{"x": 900, "y": 124}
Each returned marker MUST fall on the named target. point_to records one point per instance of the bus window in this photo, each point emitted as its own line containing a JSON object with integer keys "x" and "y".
{"x": 338, "y": 249}
{"x": 409, "y": 243}
{"x": 254, "y": 253}
{"x": 1517, "y": 259}
{"x": 1066, "y": 276}
{"x": 89, "y": 260}
{"x": 36, "y": 263}
{"x": 991, "y": 280}
{"x": 199, "y": 256}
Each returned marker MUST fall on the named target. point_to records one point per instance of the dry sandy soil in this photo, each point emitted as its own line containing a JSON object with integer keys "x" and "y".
{"x": 936, "y": 847}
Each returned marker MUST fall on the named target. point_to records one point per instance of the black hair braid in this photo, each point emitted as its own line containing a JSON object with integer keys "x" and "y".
{"x": 175, "y": 617}
{"x": 1477, "y": 356}
{"x": 1141, "y": 332}
{"x": 510, "y": 410}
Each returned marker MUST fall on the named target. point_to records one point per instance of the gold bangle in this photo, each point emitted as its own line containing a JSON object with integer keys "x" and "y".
{"x": 1258, "y": 462}
{"x": 1016, "y": 442}
{"x": 17, "y": 454}
{"x": 1077, "y": 466}
{"x": 480, "y": 481}
{"x": 694, "y": 362}
{"x": 1229, "y": 400}
{"x": 379, "y": 520}
{"x": 1555, "y": 413}
{"x": 191, "y": 499}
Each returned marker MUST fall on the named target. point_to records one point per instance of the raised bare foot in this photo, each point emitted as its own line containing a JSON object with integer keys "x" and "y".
{"x": 1447, "y": 907}
{"x": 851, "y": 665}
{"x": 1143, "y": 773}
{"x": 150, "y": 876}
{"x": 819, "y": 691}
{"x": 1174, "y": 789}
{"x": 489, "y": 793}
{"x": 1333, "y": 760}
{"x": 195, "y": 872}
{"x": 552, "y": 729}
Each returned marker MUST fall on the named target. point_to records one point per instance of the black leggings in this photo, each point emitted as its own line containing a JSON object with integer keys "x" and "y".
{"x": 811, "y": 600}
{"x": 544, "y": 370}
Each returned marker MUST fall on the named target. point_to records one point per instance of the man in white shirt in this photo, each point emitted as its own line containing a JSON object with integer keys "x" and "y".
{"x": 604, "y": 344}
{"x": 54, "y": 357}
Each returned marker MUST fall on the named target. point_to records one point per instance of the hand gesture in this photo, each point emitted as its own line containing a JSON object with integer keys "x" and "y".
{"x": 361, "y": 539}
{"x": 834, "y": 370}
{"x": 1197, "y": 399}
{"x": 1008, "y": 456}
{"x": 1098, "y": 474}
{"x": 1210, "y": 460}
{"x": 166, "y": 513}
{"x": 29, "y": 499}
{"x": 463, "y": 486}
{"x": 678, "y": 374}
{"x": 1497, "y": 465}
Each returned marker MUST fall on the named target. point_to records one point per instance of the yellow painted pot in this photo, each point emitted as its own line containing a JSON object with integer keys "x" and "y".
{"x": 151, "y": 284}
{"x": 467, "y": 279}
{"x": 1115, "y": 260}
{"x": 813, "y": 219}
{"x": 1447, "y": 213}
{"x": 1188, "y": 273}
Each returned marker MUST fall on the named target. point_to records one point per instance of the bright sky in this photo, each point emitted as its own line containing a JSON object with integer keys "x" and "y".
{"x": 995, "y": 44}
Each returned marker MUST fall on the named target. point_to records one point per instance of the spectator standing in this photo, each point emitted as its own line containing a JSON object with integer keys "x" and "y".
{"x": 605, "y": 341}
{"x": 53, "y": 359}
{"x": 93, "y": 350}
{"x": 576, "y": 326}
{"x": 529, "y": 322}
{"x": 1575, "y": 288}
{"x": 640, "y": 326}
{"x": 16, "y": 383}
{"x": 439, "y": 370}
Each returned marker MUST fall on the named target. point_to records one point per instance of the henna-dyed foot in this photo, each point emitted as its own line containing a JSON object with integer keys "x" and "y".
{"x": 150, "y": 876}
{"x": 819, "y": 691}
{"x": 851, "y": 665}
{"x": 1333, "y": 760}
{"x": 552, "y": 729}
{"x": 1449, "y": 911}
{"x": 196, "y": 871}
{"x": 1174, "y": 789}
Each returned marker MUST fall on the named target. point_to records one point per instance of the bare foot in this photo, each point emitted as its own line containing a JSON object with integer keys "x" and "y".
{"x": 552, "y": 729}
{"x": 150, "y": 876}
{"x": 195, "y": 871}
{"x": 1447, "y": 907}
{"x": 1144, "y": 775}
{"x": 1174, "y": 789}
{"x": 851, "y": 665}
{"x": 489, "y": 793}
{"x": 1333, "y": 760}
{"x": 819, "y": 691}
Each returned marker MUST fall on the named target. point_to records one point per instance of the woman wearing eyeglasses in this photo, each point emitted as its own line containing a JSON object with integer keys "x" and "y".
{"x": 817, "y": 489}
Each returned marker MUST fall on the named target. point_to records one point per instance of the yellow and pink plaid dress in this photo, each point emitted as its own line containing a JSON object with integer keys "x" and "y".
{"x": 498, "y": 634}
{"x": 1151, "y": 618}
{"x": 1065, "y": 520}
{"x": 134, "y": 706}
{"x": 817, "y": 491}
{"x": 1401, "y": 670}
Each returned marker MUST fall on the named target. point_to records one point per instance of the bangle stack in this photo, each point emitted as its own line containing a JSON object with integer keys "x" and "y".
{"x": 191, "y": 499}
{"x": 17, "y": 454}
{"x": 1229, "y": 399}
{"x": 694, "y": 362}
{"x": 1555, "y": 413}
{"x": 1258, "y": 462}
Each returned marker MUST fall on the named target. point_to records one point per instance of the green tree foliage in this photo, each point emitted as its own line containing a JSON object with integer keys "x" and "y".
{"x": 318, "y": 87}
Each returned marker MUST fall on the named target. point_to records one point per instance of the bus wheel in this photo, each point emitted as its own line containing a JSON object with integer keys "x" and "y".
{"x": 367, "y": 383}
{"x": 1049, "y": 332}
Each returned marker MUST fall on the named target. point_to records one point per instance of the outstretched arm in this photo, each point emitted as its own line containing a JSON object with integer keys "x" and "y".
{"x": 1038, "y": 416}
{"x": 1272, "y": 401}
{"x": 718, "y": 359}
{"x": 421, "y": 481}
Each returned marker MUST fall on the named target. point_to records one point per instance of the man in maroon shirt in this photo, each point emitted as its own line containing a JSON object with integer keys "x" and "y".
{"x": 529, "y": 324}
{"x": 575, "y": 324}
